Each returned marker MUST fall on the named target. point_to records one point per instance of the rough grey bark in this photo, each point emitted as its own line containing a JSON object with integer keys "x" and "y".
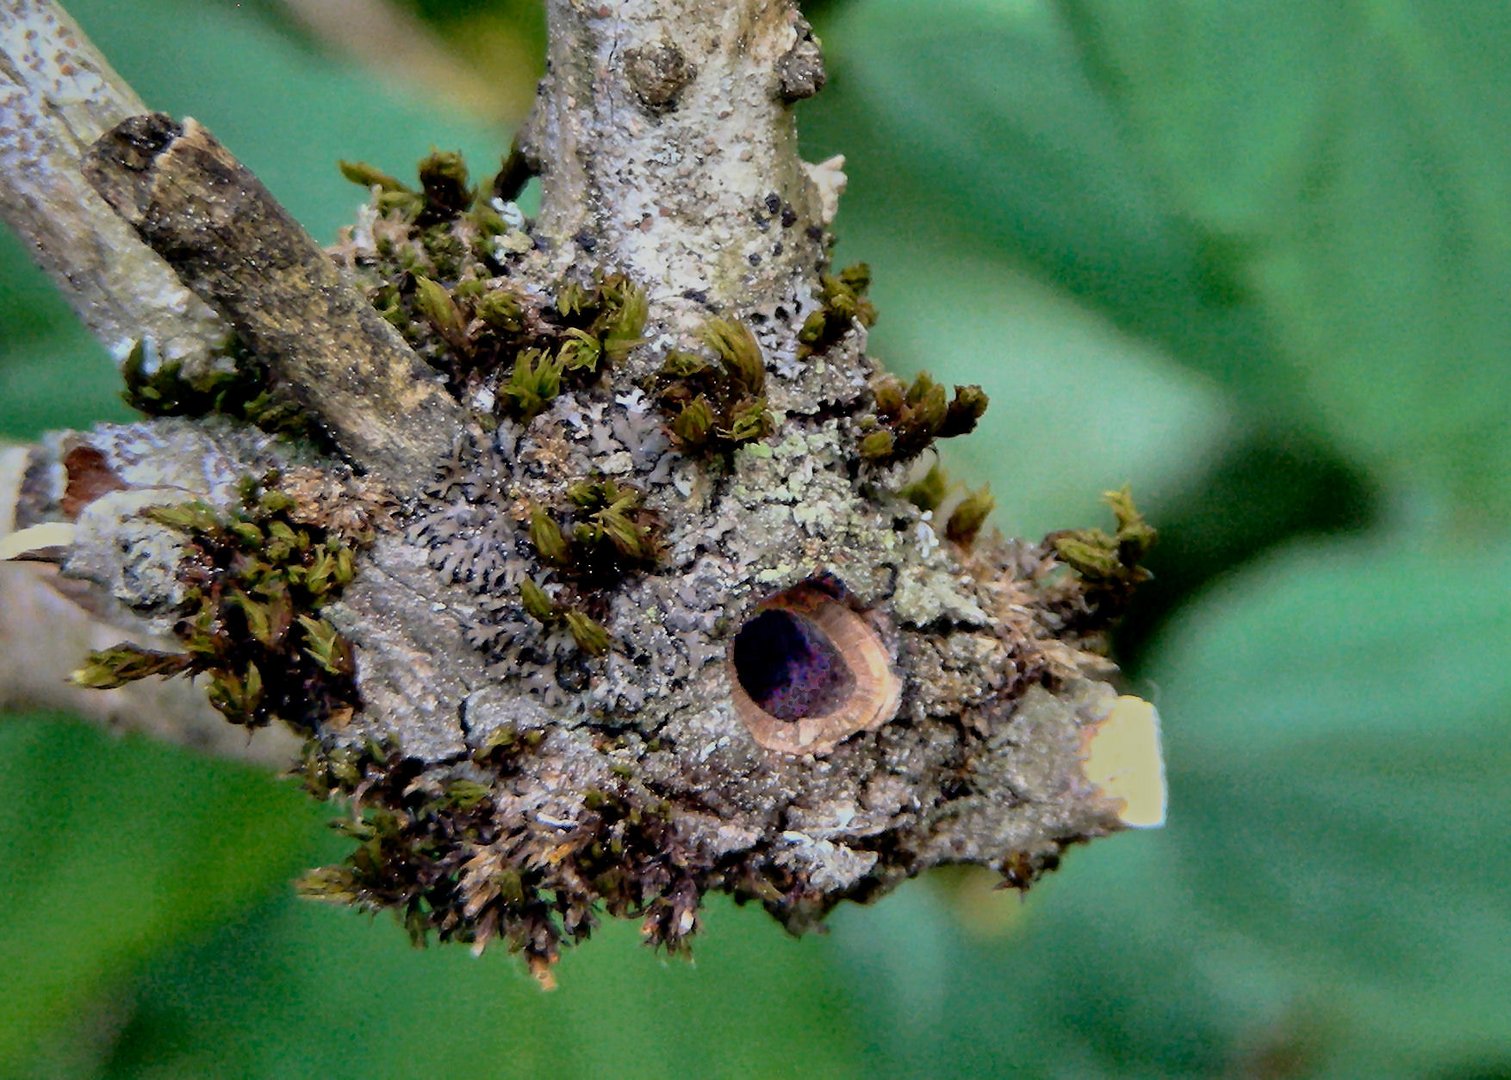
{"x": 668, "y": 147}
{"x": 57, "y": 96}
{"x": 616, "y": 651}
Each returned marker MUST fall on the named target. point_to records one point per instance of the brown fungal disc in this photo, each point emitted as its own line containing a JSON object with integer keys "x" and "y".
{"x": 806, "y": 672}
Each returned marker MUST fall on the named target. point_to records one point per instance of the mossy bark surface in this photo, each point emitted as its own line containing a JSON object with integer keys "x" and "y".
{"x": 618, "y": 438}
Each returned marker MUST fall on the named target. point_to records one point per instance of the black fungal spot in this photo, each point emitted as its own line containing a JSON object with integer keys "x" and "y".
{"x": 789, "y": 667}
{"x": 573, "y": 675}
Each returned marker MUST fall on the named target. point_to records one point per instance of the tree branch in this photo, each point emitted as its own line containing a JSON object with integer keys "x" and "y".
{"x": 45, "y": 632}
{"x": 684, "y": 617}
{"x": 57, "y": 96}
{"x": 667, "y": 145}
{"x": 234, "y": 245}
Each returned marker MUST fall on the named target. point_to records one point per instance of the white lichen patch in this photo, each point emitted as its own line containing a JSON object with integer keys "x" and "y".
{"x": 169, "y": 462}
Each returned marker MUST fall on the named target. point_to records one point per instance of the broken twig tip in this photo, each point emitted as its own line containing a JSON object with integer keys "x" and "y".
{"x": 1124, "y": 762}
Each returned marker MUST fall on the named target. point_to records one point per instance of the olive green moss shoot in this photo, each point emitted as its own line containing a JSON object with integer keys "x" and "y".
{"x": 256, "y": 580}
{"x": 440, "y": 276}
{"x": 604, "y": 533}
{"x": 969, "y": 515}
{"x": 1105, "y": 568}
{"x": 240, "y": 389}
{"x": 842, "y": 303}
{"x": 435, "y": 852}
{"x": 716, "y": 405}
{"x": 929, "y": 491}
{"x": 909, "y": 418}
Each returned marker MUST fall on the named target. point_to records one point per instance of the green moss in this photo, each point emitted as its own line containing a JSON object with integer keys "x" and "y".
{"x": 538, "y": 605}
{"x": 505, "y": 744}
{"x": 434, "y": 303}
{"x": 622, "y": 312}
{"x": 717, "y": 405}
{"x": 440, "y": 255}
{"x": 533, "y": 384}
{"x": 737, "y": 349}
{"x": 588, "y": 633}
{"x": 329, "y": 771}
{"x": 969, "y": 515}
{"x": 125, "y": 663}
{"x": 546, "y": 535}
{"x": 842, "y": 299}
{"x": 444, "y": 180}
{"x": 915, "y": 415}
{"x": 693, "y": 423}
{"x": 394, "y": 196}
{"x": 244, "y": 391}
{"x": 255, "y": 582}
{"x": 513, "y": 174}
{"x": 878, "y": 445}
{"x": 603, "y": 534}
{"x": 1109, "y": 560}
{"x": 360, "y": 172}
{"x": 928, "y": 492}
{"x": 611, "y": 519}
{"x": 464, "y": 794}
{"x": 502, "y": 311}
{"x": 432, "y": 852}
{"x": 1103, "y": 569}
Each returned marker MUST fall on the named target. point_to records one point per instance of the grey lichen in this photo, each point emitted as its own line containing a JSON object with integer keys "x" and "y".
{"x": 644, "y": 725}
{"x": 669, "y": 418}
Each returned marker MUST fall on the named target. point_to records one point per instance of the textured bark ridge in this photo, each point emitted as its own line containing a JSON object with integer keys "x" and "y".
{"x": 57, "y": 96}
{"x": 680, "y": 608}
{"x": 667, "y": 145}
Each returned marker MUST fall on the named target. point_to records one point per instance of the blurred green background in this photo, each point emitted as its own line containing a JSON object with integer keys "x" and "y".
{"x": 1252, "y": 257}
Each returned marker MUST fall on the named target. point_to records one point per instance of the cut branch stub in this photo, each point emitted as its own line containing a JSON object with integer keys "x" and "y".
{"x": 233, "y": 244}
{"x": 807, "y": 671}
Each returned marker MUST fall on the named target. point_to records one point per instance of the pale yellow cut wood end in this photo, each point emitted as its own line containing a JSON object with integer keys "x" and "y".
{"x": 44, "y": 542}
{"x": 1123, "y": 760}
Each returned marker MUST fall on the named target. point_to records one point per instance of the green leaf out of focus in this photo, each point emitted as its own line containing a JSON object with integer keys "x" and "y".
{"x": 1351, "y": 163}
{"x": 111, "y": 853}
{"x": 1309, "y": 203}
{"x": 1344, "y": 789}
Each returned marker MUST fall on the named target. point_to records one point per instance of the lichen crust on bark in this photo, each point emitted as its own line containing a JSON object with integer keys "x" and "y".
{"x": 683, "y": 608}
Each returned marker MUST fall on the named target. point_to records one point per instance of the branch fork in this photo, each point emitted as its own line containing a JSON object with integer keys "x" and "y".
{"x": 684, "y": 623}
